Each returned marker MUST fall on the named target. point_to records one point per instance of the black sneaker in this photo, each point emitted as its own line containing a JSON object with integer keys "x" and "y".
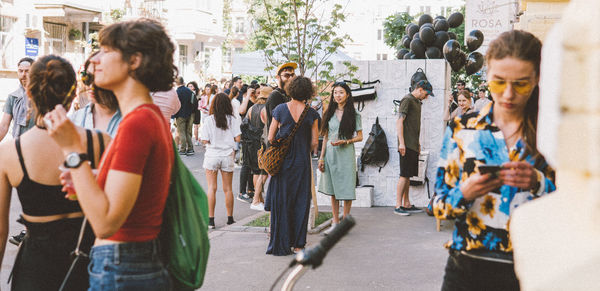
{"x": 244, "y": 198}
{"x": 17, "y": 239}
{"x": 400, "y": 211}
{"x": 190, "y": 152}
{"x": 412, "y": 209}
{"x": 211, "y": 225}
{"x": 183, "y": 153}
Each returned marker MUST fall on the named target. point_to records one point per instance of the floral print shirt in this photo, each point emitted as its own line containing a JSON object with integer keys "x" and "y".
{"x": 482, "y": 224}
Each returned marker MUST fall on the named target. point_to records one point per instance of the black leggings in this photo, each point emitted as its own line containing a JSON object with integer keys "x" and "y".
{"x": 44, "y": 256}
{"x": 246, "y": 182}
{"x": 465, "y": 274}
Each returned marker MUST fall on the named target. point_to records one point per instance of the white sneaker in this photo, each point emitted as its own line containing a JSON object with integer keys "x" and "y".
{"x": 196, "y": 143}
{"x": 258, "y": 207}
{"x": 328, "y": 231}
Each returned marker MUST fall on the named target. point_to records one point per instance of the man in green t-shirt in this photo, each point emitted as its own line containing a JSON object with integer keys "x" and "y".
{"x": 408, "y": 128}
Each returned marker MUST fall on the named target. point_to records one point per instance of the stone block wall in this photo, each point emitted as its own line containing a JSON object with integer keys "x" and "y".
{"x": 395, "y": 80}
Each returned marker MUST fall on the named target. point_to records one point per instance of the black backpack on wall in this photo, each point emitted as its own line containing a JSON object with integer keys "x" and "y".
{"x": 375, "y": 152}
{"x": 416, "y": 77}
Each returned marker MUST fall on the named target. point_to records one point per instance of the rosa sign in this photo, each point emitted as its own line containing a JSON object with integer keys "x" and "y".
{"x": 491, "y": 17}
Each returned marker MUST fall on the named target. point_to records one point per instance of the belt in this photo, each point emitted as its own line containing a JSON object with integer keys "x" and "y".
{"x": 485, "y": 255}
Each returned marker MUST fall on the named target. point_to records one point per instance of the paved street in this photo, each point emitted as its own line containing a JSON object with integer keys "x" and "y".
{"x": 382, "y": 252}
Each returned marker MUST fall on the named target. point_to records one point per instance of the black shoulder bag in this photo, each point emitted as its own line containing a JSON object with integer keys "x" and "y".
{"x": 365, "y": 92}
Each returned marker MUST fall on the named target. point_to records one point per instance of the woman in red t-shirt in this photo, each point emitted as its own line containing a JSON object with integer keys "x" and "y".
{"x": 124, "y": 204}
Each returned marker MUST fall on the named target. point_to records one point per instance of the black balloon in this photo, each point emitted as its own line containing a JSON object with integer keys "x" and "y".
{"x": 433, "y": 53}
{"x": 427, "y": 35}
{"x": 425, "y": 18}
{"x": 474, "y": 40}
{"x": 439, "y": 17}
{"x": 441, "y": 37}
{"x": 411, "y": 30}
{"x": 427, "y": 25}
{"x": 459, "y": 62}
{"x": 455, "y": 19}
{"x": 409, "y": 56}
{"x": 451, "y": 50}
{"x": 452, "y": 35}
{"x": 416, "y": 36}
{"x": 406, "y": 41}
{"x": 401, "y": 53}
{"x": 441, "y": 25}
{"x": 474, "y": 63}
{"x": 418, "y": 48}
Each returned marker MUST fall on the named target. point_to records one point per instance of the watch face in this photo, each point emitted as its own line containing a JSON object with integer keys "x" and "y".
{"x": 72, "y": 160}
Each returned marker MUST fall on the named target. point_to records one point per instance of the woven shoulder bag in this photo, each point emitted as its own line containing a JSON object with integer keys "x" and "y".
{"x": 272, "y": 158}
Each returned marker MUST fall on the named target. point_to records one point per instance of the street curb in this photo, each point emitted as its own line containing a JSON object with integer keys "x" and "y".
{"x": 239, "y": 226}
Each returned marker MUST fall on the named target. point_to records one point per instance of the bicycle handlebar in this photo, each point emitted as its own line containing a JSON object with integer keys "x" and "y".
{"x": 314, "y": 256}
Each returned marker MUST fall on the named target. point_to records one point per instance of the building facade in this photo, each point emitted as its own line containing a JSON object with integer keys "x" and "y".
{"x": 38, "y": 27}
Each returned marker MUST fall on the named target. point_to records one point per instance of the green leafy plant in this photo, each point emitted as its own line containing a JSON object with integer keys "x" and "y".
{"x": 394, "y": 28}
{"x": 74, "y": 34}
{"x": 300, "y": 31}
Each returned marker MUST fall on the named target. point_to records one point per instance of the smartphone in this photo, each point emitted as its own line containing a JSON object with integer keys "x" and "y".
{"x": 489, "y": 169}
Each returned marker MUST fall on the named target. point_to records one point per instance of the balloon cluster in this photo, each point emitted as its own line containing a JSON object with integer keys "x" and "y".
{"x": 431, "y": 39}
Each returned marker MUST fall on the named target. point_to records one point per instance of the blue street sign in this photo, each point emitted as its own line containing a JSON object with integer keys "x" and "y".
{"x": 31, "y": 47}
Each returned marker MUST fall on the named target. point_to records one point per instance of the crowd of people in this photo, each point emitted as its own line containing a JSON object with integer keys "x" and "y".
{"x": 99, "y": 143}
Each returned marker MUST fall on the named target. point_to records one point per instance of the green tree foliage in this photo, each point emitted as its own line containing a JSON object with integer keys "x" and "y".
{"x": 301, "y": 31}
{"x": 394, "y": 28}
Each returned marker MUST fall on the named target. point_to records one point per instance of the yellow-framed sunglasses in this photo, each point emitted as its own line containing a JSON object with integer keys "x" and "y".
{"x": 522, "y": 87}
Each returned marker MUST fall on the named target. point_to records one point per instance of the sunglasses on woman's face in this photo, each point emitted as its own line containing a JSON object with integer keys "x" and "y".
{"x": 522, "y": 87}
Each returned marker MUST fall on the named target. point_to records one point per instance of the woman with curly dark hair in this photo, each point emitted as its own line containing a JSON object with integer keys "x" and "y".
{"x": 289, "y": 192}
{"x": 124, "y": 204}
{"x": 342, "y": 127}
{"x": 220, "y": 132}
{"x": 30, "y": 164}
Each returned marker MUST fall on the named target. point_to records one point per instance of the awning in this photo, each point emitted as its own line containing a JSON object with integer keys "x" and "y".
{"x": 70, "y": 10}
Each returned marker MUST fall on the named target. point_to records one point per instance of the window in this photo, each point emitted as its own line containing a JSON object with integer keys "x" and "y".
{"x": 56, "y": 38}
{"x": 239, "y": 25}
{"x": 238, "y": 50}
{"x": 183, "y": 59}
{"x": 384, "y": 57}
{"x": 227, "y": 56}
{"x": 207, "y": 56}
{"x": 7, "y": 45}
{"x": 379, "y": 57}
{"x": 379, "y": 33}
{"x": 425, "y": 9}
{"x": 407, "y": 9}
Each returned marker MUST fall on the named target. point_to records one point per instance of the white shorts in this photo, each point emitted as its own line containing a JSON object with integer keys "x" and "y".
{"x": 224, "y": 163}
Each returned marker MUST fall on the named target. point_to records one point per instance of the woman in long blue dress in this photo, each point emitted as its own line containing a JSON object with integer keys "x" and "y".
{"x": 289, "y": 191}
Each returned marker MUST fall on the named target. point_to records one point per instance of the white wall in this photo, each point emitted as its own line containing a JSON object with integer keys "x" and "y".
{"x": 395, "y": 79}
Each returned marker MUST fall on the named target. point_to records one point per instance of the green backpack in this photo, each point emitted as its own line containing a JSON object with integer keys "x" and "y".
{"x": 184, "y": 233}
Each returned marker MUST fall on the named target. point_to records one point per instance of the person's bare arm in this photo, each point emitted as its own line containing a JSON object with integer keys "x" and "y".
{"x": 400, "y": 131}
{"x": 244, "y": 105}
{"x": 5, "y": 193}
{"x": 4, "y": 124}
{"x": 273, "y": 129}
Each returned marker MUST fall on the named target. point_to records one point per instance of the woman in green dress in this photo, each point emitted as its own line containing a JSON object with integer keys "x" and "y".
{"x": 341, "y": 128}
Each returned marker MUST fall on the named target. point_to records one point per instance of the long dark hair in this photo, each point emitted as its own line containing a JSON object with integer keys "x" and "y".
{"x": 348, "y": 122}
{"x": 524, "y": 46}
{"x": 52, "y": 81}
{"x": 220, "y": 108}
{"x": 196, "y": 88}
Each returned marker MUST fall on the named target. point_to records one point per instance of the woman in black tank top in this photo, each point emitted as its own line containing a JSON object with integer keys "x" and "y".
{"x": 30, "y": 165}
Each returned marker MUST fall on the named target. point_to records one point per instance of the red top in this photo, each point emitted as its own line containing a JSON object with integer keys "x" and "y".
{"x": 143, "y": 146}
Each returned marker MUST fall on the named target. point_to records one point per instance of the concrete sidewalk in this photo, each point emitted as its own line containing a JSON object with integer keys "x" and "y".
{"x": 382, "y": 252}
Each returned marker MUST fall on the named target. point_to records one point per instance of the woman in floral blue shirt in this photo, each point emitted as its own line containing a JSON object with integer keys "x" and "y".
{"x": 503, "y": 133}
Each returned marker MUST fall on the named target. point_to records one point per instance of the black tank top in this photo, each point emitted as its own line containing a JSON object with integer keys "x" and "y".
{"x": 43, "y": 200}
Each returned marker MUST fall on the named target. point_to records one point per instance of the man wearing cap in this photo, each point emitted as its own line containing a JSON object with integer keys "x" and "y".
{"x": 408, "y": 127}
{"x": 285, "y": 73}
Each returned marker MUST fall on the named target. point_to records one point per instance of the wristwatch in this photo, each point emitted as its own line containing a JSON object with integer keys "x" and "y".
{"x": 74, "y": 160}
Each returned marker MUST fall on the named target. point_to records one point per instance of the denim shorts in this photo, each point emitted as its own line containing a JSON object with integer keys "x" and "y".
{"x": 128, "y": 266}
{"x": 223, "y": 163}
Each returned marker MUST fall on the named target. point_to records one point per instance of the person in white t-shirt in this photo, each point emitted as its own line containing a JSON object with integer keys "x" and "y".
{"x": 220, "y": 132}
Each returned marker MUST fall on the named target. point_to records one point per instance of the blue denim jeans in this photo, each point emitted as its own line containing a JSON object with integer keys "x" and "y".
{"x": 128, "y": 266}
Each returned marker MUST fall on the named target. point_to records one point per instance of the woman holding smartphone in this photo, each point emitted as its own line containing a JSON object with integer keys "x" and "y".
{"x": 124, "y": 204}
{"x": 503, "y": 133}
{"x": 338, "y": 161}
